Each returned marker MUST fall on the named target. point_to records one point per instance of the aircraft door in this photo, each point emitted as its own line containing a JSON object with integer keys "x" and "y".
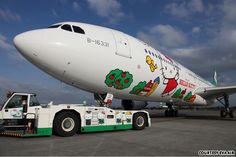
{"x": 122, "y": 44}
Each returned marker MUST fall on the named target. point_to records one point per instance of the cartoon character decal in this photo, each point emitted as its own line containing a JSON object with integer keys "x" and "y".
{"x": 190, "y": 97}
{"x": 170, "y": 76}
{"x": 119, "y": 79}
{"x": 187, "y": 84}
{"x": 88, "y": 117}
{"x": 16, "y": 113}
{"x": 119, "y": 116}
{"x": 179, "y": 94}
{"x": 145, "y": 89}
{"x": 128, "y": 116}
{"x": 101, "y": 117}
{"x": 151, "y": 63}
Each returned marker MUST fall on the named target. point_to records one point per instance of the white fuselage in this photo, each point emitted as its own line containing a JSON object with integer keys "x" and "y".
{"x": 108, "y": 61}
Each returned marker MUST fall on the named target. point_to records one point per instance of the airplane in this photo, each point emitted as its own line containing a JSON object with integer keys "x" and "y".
{"x": 103, "y": 60}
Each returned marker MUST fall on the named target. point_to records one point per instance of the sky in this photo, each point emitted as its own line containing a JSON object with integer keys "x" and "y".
{"x": 201, "y": 35}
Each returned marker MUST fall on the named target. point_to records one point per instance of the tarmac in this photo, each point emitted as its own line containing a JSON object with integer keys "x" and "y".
{"x": 184, "y": 135}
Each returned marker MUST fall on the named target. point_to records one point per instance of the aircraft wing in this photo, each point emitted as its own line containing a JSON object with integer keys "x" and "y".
{"x": 216, "y": 92}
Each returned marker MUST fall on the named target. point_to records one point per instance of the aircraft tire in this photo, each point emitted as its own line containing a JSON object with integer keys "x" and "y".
{"x": 223, "y": 113}
{"x": 2, "y": 129}
{"x": 166, "y": 113}
{"x": 66, "y": 124}
{"x": 176, "y": 114}
{"x": 171, "y": 113}
{"x": 139, "y": 121}
{"x": 231, "y": 113}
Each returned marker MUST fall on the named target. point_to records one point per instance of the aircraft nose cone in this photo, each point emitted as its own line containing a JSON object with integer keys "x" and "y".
{"x": 29, "y": 44}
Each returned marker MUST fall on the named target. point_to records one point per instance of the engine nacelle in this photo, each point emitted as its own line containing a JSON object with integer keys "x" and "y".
{"x": 133, "y": 104}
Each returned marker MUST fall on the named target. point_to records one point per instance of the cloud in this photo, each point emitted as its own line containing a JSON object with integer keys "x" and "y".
{"x": 9, "y": 49}
{"x": 8, "y": 15}
{"x": 205, "y": 60}
{"x": 164, "y": 36}
{"x": 64, "y": 94}
{"x": 4, "y": 44}
{"x": 109, "y": 9}
{"x": 46, "y": 93}
{"x": 62, "y": 1}
{"x": 195, "y": 6}
{"x": 76, "y": 6}
{"x": 54, "y": 13}
{"x": 196, "y": 29}
{"x": 218, "y": 53}
{"x": 213, "y": 48}
{"x": 228, "y": 8}
{"x": 185, "y": 9}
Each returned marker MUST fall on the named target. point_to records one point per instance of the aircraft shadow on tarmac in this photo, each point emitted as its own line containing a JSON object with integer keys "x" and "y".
{"x": 191, "y": 117}
{"x": 207, "y": 117}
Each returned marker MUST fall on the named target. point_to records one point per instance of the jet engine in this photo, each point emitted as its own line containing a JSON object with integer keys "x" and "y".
{"x": 133, "y": 104}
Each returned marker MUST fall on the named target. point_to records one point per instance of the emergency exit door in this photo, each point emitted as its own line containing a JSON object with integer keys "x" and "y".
{"x": 122, "y": 44}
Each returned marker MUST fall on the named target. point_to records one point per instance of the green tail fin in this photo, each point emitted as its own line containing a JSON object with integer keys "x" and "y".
{"x": 215, "y": 81}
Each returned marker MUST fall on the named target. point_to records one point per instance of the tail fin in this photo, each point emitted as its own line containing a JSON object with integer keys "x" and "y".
{"x": 215, "y": 81}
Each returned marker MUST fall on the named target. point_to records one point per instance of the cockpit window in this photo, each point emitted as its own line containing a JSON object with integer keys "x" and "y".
{"x": 54, "y": 26}
{"x": 78, "y": 30}
{"x": 66, "y": 27}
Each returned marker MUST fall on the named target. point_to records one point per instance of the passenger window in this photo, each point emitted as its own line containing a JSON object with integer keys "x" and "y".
{"x": 16, "y": 101}
{"x": 66, "y": 27}
{"x": 54, "y": 26}
{"x": 34, "y": 101}
{"x": 78, "y": 30}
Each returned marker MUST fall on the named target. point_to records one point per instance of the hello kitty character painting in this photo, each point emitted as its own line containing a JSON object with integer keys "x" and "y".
{"x": 170, "y": 74}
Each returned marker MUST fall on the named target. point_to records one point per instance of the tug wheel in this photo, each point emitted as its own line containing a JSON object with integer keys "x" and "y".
{"x": 139, "y": 121}
{"x": 66, "y": 124}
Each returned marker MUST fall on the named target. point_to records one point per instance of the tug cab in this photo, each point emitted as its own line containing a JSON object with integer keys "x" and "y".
{"x": 18, "y": 112}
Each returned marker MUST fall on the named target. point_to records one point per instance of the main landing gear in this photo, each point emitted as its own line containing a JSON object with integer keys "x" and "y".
{"x": 226, "y": 110}
{"x": 171, "y": 112}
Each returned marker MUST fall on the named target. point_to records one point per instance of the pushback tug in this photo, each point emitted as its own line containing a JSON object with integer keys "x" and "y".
{"x": 23, "y": 116}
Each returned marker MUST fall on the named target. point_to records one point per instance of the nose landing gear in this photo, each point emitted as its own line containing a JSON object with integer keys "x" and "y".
{"x": 171, "y": 112}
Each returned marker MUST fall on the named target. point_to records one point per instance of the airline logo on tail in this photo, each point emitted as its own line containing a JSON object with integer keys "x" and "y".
{"x": 215, "y": 82}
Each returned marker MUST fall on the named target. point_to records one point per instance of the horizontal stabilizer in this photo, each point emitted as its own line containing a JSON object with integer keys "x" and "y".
{"x": 216, "y": 92}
